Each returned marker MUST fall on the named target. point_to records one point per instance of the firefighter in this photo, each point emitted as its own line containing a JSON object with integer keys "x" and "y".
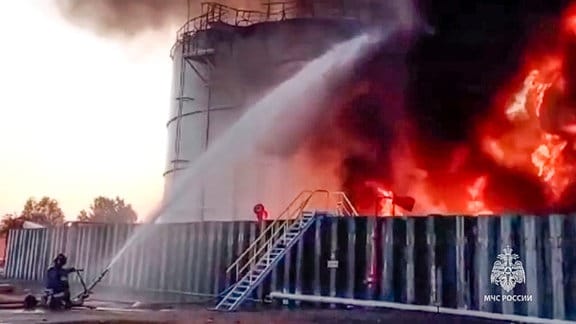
{"x": 57, "y": 282}
{"x": 261, "y": 213}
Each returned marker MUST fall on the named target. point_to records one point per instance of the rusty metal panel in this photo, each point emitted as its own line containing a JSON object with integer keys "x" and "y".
{"x": 556, "y": 228}
{"x": 142, "y": 254}
{"x": 431, "y": 261}
{"x": 258, "y": 294}
{"x": 461, "y": 282}
{"x": 11, "y": 250}
{"x": 196, "y": 235}
{"x": 409, "y": 261}
{"x": 371, "y": 259}
{"x": 19, "y": 253}
{"x": 298, "y": 267}
{"x": 387, "y": 272}
{"x": 25, "y": 260}
{"x": 274, "y": 277}
{"x": 218, "y": 246}
{"x": 318, "y": 265}
{"x": 43, "y": 254}
{"x": 181, "y": 238}
{"x": 506, "y": 241}
{"x": 569, "y": 244}
{"x": 188, "y": 276}
{"x": 286, "y": 287}
{"x": 482, "y": 263}
{"x": 34, "y": 246}
{"x": 193, "y": 257}
{"x": 208, "y": 243}
{"x": 334, "y": 253}
{"x": 351, "y": 258}
{"x": 205, "y": 258}
{"x": 531, "y": 261}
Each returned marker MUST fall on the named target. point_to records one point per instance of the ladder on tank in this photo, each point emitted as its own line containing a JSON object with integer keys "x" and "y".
{"x": 275, "y": 241}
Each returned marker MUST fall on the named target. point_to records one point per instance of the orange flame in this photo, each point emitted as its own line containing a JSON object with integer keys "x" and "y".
{"x": 526, "y": 146}
{"x": 476, "y": 205}
{"x": 525, "y": 143}
{"x": 386, "y": 203}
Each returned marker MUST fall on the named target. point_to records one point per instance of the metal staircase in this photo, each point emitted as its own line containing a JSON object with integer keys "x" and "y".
{"x": 276, "y": 240}
{"x": 264, "y": 266}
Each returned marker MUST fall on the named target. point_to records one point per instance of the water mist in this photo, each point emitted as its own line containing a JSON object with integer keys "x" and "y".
{"x": 287, "y": 109}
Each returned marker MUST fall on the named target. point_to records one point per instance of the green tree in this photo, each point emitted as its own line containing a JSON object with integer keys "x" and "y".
{"x": 10, "y": 221}
{"x": 83, "y": 216}
{"x": 45, "y": 211}
{"x": 107, "y": 210}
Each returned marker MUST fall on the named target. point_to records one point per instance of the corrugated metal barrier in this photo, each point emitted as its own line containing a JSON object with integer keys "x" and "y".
{"x": 444, "y": 261}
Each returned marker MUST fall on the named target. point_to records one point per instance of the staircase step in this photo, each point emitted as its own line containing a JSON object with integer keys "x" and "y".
{"x": 266, "y": 262}
{"x": 226, "y": 304}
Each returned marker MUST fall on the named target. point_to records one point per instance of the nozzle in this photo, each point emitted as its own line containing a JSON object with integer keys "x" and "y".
{"x": 95, "y": 282}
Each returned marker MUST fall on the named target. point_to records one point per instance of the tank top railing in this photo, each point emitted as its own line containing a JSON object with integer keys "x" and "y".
{"x": 213, "y": 12}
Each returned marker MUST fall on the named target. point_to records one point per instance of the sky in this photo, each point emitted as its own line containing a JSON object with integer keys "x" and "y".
{"x": 80, "y": 115}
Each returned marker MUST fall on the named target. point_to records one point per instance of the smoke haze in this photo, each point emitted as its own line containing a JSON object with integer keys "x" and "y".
{"x": 129, "y": 18}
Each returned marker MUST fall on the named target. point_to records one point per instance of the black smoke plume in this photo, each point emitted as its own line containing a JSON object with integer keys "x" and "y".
{"x": 130, "y": 18}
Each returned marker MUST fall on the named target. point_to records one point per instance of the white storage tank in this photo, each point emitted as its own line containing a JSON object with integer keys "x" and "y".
{"x": 219, "y": 69}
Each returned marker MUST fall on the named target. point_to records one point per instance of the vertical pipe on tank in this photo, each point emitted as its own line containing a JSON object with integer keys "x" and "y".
{"x": 206, "y": 143}
{"x": 184, "y": 46}
{"x": 180, "y": 107}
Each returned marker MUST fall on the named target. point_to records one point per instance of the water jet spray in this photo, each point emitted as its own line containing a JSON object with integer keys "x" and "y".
{"x": 296, "y": 102}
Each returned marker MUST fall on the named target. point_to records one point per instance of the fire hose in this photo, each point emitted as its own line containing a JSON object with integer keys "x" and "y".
{"x": 88, "y": 290}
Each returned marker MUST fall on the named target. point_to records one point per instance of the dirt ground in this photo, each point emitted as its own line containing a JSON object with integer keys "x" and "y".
{"x": 198, "y": 315}
{"x": 113, "y": 306}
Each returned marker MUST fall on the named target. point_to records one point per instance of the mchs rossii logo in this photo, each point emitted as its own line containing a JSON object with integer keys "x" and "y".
{"x": 507, "y": 272}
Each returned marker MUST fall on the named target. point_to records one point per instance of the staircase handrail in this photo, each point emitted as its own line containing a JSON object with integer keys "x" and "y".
{"x": 277, "y": 232}
{"x": 347, "y": 203}
{"x": 280, "y": 224}
{"x": 268, "y": 229}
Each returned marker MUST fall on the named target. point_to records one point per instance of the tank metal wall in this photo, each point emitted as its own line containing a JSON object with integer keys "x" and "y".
{"x": 216, "y": 91}
{"x": 443, "y": 261}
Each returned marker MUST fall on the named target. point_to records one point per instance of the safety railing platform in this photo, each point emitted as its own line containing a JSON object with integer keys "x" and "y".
{"x": 213, "y": 12}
